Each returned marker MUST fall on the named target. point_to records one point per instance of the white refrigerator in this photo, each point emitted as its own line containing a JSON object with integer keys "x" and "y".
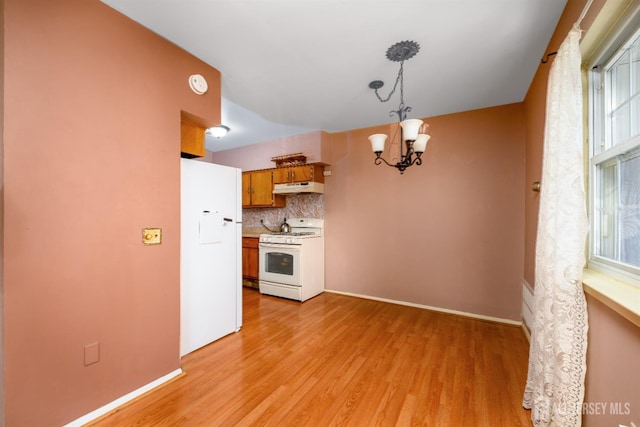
{"x": 210, "y": 253}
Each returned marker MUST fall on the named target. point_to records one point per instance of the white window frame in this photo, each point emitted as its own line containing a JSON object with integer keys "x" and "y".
{"x": 599, "y": 131}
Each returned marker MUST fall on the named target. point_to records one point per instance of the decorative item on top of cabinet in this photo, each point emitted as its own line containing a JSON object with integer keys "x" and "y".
{"x": 290, "y": 160}
{"x": 191, "y": 139}
{"x": 257, "y": 190}
{"x": 250, "y": 260}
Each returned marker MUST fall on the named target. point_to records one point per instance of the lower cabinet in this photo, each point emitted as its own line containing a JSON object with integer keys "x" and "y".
{"x": 250, "y": 258}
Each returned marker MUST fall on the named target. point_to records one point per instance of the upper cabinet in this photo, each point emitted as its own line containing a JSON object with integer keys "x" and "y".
{"x": 257, "y": 190}
{"x": 302, "y": 173}
{"x": 191, "y": 139}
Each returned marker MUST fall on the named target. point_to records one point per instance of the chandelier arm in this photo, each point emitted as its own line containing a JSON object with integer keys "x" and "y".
{"x": 402, "y": 164}
{"x": 416, "y": 161}
{"x": 379, "y": 159}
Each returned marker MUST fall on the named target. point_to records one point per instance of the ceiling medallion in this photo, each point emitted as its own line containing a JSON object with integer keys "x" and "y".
{"x": 402, "y": 51}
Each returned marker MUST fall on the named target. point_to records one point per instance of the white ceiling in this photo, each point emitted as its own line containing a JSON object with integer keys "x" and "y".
{"x": 295, "y": 66}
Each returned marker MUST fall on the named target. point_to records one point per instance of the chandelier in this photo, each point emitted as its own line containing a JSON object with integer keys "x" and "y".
{"x": 413, "y": 136}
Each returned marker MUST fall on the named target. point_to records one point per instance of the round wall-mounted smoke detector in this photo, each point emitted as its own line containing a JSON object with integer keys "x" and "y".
{"x": 198, "y": 84}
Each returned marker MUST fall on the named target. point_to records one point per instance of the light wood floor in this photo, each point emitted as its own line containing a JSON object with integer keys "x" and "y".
{"x": 338, "y": 360}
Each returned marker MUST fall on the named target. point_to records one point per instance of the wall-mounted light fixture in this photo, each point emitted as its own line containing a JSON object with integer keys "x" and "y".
{"x": 413, "y": 136}
{"x": 218, "y": 131}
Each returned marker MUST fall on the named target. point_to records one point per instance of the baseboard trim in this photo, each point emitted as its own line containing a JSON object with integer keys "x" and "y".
{"x": 92, "y": 416}
{"x": 428, "y": 307}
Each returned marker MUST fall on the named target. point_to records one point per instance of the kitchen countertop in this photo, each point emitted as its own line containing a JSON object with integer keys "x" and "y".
{"x": 253, "y": 231}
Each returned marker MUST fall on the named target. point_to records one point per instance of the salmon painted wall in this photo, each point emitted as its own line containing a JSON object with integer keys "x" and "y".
{"x": 92, "y": 107}
{"x": 2, "y": 407}
{"x": 446, "y": 234}
{"x": 613, "y": 368}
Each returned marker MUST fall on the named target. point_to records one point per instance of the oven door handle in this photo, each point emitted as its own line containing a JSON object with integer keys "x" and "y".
{"x": 277, "y": 246}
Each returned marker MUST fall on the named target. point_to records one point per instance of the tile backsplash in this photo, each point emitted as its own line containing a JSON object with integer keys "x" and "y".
{"x": 298, "y": 206}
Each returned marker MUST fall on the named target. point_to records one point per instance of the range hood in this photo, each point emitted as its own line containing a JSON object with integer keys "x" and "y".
{"x": 299, "y": 187}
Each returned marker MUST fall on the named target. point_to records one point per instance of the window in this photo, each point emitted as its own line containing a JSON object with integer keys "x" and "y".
{"x": 614, "y": 168}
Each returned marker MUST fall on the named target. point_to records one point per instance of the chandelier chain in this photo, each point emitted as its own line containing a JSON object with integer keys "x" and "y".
{"x": 401, "y": 108}
{"x": 399, "y": 79}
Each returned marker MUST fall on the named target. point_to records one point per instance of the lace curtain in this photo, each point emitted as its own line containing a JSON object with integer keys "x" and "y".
{"x": 557, "y": 359}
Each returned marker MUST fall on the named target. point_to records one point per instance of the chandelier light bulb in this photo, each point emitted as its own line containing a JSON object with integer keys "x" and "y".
{"x": 410, "y": 129}
{"x": 420, "y": 143}
{"x": 377, "y": 142}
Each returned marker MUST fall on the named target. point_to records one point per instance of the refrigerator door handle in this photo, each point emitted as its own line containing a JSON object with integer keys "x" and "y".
{"x": 228, "y": 220}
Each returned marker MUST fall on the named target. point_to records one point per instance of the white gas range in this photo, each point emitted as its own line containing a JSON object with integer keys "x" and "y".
{"x": 292, "y": 264}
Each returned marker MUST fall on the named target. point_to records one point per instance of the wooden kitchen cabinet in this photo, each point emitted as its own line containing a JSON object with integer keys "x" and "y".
{"x": 250, "y": 258}
{"x": 305, "y": 173}
{"x": 191, "y": 139}
{"x": 257, "y": 190}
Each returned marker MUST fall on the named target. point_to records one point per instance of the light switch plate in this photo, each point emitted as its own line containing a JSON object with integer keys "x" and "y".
{"x": 152, "y": 236}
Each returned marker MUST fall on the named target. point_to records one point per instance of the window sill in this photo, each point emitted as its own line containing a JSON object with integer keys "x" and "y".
{"x": 621, "y": 297}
